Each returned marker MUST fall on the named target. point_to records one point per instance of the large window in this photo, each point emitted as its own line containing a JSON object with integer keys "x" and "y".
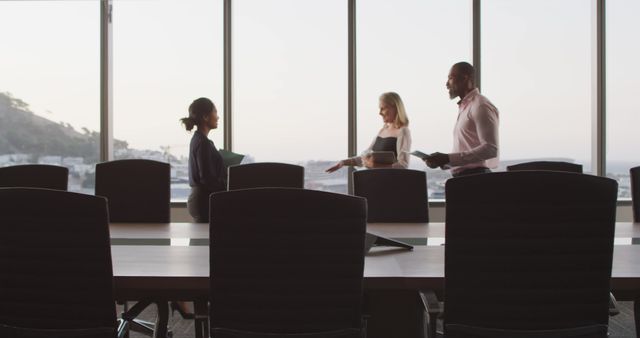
{"x": 290, "y": 85}
{"x": 166, "y": 53}
{"x": 623, "y": 84}
{"x": 408, "y": 47}
{"x": 536, "y": 69}
{"x": 50, "y": 86}
{"x": 289, "y": 80}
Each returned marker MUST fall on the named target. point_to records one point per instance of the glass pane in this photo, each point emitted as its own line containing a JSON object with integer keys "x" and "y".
{"x": 290, "y": 85}
{"x": 536, "y": 69}
{"x": 623, "y": 82}
{"x": 166, "y": 54}
{"x": 50, "y": 86}
{"x": 409, "y": 53}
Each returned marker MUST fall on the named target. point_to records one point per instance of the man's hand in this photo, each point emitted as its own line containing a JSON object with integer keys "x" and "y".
{"x": 436, "y": 160}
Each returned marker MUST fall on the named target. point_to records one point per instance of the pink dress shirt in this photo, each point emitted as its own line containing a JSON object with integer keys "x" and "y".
{"x": 475, "y": 136}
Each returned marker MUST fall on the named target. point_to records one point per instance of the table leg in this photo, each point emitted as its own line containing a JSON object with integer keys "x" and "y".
{"x": 201, "y": 311}
{"x": 636, "y": 316}
{"x": 162, "y": 321}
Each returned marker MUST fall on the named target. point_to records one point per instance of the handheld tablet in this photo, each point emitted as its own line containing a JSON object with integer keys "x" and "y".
{"x": 383, "y": 157}
{"x": 420, "y": 154}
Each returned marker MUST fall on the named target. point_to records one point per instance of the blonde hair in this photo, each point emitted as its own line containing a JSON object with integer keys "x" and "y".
{"x": 394, "y": 99}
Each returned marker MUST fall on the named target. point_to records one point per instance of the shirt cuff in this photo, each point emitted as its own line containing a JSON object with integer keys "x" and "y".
{"x": 455, "y": 159}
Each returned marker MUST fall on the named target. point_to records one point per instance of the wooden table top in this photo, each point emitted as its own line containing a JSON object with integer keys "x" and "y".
{"x": 393, "y": 230}
{"x": 183, "y": 271}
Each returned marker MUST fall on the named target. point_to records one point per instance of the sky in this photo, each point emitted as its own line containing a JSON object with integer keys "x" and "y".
{"x": 290, "y": 71}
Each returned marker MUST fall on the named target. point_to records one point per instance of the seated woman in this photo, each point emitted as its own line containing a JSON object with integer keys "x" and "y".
{"x": 394, "y": 136}
{"x": 206, "y": 170}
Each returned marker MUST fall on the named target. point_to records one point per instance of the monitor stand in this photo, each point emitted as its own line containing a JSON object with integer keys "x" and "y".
{"x": 372, "y": 240}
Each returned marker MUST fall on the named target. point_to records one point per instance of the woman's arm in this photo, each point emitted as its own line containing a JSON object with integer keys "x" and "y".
{"x": 208, "y": 168}
{"x": 356, "y": 161}
{"x": 403, "y": 147}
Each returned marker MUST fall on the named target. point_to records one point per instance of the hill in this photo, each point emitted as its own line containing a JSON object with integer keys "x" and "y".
{"x": 23, "y": 132}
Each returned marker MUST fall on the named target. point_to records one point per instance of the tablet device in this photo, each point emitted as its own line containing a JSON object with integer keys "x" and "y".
{"x": 420, "y": 154}
{"x": 230, "y": 158}
{"x": 383, "y": 157}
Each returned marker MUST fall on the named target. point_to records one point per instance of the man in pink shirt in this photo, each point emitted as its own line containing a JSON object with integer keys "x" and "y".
{"x": 475, "y": 136}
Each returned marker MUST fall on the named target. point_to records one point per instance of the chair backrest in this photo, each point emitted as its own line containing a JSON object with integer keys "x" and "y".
{"x": 286, "y": 260}
{"x": 529, "y": 250}
{"x": 393, "y": 195}
{"x": 634, "y": 175}
{"x": 346, "y": 333}
{"x": 35, "y": 176}
{"x": 265, "y": 174}
{"x": 55, "y": 259}
{"x": 137, "y": 190}
{"x": 20, "y": 332}
{"x": 548, "y": 166}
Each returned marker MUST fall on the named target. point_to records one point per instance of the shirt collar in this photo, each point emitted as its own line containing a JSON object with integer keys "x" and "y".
{"x": 467, "y": 98}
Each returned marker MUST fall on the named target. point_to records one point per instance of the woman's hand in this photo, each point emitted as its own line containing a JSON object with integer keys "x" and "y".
{"x": 367, "y": 161}
{"x": 335, "y": 167}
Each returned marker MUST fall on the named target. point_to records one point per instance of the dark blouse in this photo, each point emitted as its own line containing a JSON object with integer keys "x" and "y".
{"x": 206, "y": 169}
{"x": 385, "y": 144}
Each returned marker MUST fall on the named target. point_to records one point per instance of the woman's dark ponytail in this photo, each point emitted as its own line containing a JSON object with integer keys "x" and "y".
{"x": 198, "y": 110}
{"x": 188, "y": 122}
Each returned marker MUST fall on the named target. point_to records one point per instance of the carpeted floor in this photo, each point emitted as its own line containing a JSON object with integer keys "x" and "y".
{"x": 620, "y": 326}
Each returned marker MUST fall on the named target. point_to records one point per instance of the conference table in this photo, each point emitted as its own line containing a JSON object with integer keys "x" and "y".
{"x": 170, "y": 261}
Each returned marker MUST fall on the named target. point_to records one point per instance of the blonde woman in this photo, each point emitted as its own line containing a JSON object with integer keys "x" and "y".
{"x": 394, "y": 136}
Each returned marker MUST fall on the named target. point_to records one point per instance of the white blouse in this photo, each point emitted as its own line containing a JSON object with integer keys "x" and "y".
{"x": 403, "y": 148}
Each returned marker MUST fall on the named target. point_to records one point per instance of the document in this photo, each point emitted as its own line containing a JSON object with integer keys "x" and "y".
{"x": 230, "y": 158}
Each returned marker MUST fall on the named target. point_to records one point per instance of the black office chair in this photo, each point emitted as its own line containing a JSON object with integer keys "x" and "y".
{"x": 265, "y": 174}
{"x": 393, "y": 195}
{"x": 547, "y": 166}
{"x": 55, "y": 259}
{"x": 634, "y": 176}
{"x": 35, "y": 176}
{"x": 19, "y": 332}
{"x": 528, "y": 254}
{"x": 286, "y": 262}
{"x": 137, "y": 191}
{"x": 564, "y": 167}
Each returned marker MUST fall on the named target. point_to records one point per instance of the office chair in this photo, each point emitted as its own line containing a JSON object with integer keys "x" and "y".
{"x": 564, "y": 167}
{"x": 548, "y": 166}
{"x": 265, "y": 174}
{"x": 137, "y": 191}
{"x": 286, "y": 262}
{"x": 528, "y": 254}
{"x": 634, "y": 176}
{"x": 35, "y": 176}
{"x": 393, "y": 195}
{"x": 56, "y": 279}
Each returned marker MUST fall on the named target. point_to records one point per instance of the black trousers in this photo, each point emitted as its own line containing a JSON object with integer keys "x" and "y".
{"x": 198, "y": 204}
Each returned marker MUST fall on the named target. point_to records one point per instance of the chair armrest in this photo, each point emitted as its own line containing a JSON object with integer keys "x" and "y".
{"x": 433, "y": 309}
{"x": 123, "y": 328}
{"x": 613, "y": 305}
{"x": 430, "y": 302}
